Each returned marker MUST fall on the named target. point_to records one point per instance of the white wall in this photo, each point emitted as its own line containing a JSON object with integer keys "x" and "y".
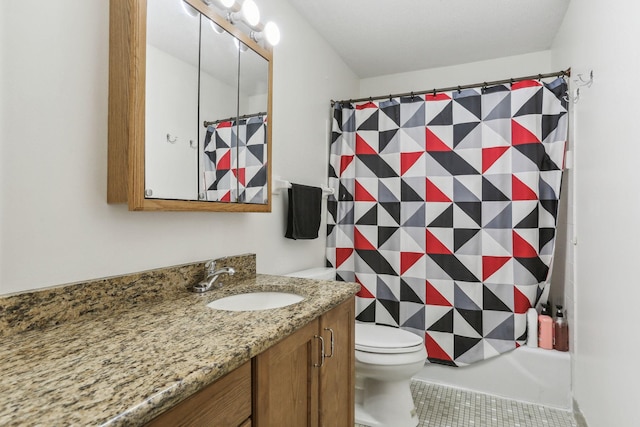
{"x": 56, "y": 226}
{"x": 603, "y": 37}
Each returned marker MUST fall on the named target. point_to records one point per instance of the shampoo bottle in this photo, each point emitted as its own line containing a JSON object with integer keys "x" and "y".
{"x": 561, "y": 342}
{"x": 545, "y": 329}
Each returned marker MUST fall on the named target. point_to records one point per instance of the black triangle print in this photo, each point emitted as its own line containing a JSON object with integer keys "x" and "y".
{"x": 454, "y": 268}
{"x": 408, "y": 194}
{"x": 473, "y": 318}
{"x": 444, "y": 118}
{"x": 370, "y": 217}
{"x": 490, "y": 193}
{"x": 385, "y": 233}
{"x": 332, "y": 207}
{"x": 207, "y": 138}
{"x": 393, "y": 208}
{"x": 460, "y": 131}
{"x": 471, "y": 103}
{"x": 378, "y": 166}
{"x": 221, "y": 143}
{"x": 445, "y": 219}
{"x": 531, "y": 220}
{"x": 444, "y": 324}
{"x": 337, "y": 116}
{"x": 330, "y": 228}
{"x": 495, "y": 89}
{"x": 385, "y": 137}
{"x": 461, "y": 236}
{"x": 522, "y": 337}
{"x": 259, "y": 179}
{"x": 371, "y": 123}
{"x": 211, "y": 155}
{"x": 393, "y": 307}
{"x": 546, "y": 235}
{"x": 335, "y": 136}
{"x": 332, "y": 172}
{"x": 408, "y": 294}
{"x": 257, "y": 150}
{"x": 343, "y": 194}
{"x": 473, "y": 210}
{"x": 441, "y": 362}
{"x": 463, "y": 344}
{"x": 368, "y": 314}
{"x": 411, "y": 99}
{"x": 453, "y": 163}
{"x": 532, "y": 106}
{"x": 376, "y": 262}
{"x": 550, "y": 206}
{"x": 536, "y": 153}
{"x": 536, "y": 267}
{"x": 252, "y": 128}
{"x": 491, "y": 302}
{"x": 393, "y": 112}
{"x": 550, "y": 123}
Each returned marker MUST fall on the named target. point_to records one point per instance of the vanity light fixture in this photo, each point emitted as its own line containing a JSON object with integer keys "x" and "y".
{"x": 270, "y": 33}
{"x": 249, "y": 13}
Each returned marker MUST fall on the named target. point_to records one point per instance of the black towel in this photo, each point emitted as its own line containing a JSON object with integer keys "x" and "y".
{"x": 303, "y": 219}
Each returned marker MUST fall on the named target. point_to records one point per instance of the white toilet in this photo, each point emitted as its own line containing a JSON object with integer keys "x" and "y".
{"x": 386, "y": 359}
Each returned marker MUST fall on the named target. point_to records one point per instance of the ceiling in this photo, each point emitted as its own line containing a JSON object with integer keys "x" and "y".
{"x": 379, "y": 37}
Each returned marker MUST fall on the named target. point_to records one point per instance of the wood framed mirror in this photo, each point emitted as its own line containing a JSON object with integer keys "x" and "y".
{"x": 176, "y": 85}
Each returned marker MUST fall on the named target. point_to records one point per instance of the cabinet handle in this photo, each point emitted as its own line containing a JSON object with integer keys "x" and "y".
{"x": 330, "y": 330}
{"x": 321, "y": 364}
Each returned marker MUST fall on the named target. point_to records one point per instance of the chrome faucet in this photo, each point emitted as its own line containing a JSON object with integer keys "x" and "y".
{"x": 211, "y": 277}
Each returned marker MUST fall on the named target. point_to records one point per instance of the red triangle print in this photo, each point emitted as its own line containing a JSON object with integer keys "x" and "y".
{"x": 225, "y": 162}
{"x": 433, "y": 193}
{"x": 226, "y": 197}
{"x": 521, "y": 191}
{"x": 362, "y": 147}
{"x": 434, "y": 351}
{"x": 363, "y": 195}
{"x": 365, "y": 106}
{"x": 409, "y": 159}
{"x": 438, "y": 97}
{"x": 434, "y": 143}
{"x": 522, "y": 248}
{"x": 521, "y": 135}
{"x": 240, "y": 175}
{"x": 363, "y": 292}
{"x": 224, "y": 125}
{"x": 434, "y": 297}
{"x": 491, "y": 264}
{"x": 490, "y": 155}
{"x": 361, "y": 242}
{"x": 408, "y": 259}
{"x": 342, "y": 254}
{"x": 345, "y": 161}
{"x": 525, "y": 83}
{"x": 435, "y": 246}
{"x": 520, "y": 302}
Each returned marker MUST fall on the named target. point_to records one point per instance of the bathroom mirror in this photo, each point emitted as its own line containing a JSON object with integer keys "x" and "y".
{"x": 175, "y": 65}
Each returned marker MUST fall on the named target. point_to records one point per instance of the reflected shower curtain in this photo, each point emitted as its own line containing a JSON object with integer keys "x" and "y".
{"x": 235, "y": 161}
{"x": 446, "y": 211}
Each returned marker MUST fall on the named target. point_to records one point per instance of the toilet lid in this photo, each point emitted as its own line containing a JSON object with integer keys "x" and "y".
{"x": 385, "y": 339}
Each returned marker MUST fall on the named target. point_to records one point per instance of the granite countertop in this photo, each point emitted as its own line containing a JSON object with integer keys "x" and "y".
{"x": 126, "y": 367}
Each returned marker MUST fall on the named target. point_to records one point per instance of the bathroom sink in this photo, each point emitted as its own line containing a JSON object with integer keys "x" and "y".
{"x": 255, "y": 301}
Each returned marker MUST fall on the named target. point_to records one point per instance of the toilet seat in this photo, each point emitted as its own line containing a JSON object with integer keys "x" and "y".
{"x": 379, "y": 339}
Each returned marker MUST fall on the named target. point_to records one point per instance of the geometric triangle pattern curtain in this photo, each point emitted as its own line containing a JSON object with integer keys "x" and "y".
{"x": 445, "y": 211}
{"x": 235, "y": 163}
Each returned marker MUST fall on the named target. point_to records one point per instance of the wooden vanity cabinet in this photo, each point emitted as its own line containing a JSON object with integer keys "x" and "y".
{"x": 295, "y": 385}
{"x": 225, "y": 402}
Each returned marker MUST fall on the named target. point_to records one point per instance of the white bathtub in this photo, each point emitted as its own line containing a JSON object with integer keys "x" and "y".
{"x": 526, "y": 374}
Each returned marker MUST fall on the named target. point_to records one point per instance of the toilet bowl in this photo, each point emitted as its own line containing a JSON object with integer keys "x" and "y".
{"x": 386, "y": 358}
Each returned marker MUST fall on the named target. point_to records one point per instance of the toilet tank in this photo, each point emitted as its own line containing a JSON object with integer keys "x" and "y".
{"x": 318, "y": 273}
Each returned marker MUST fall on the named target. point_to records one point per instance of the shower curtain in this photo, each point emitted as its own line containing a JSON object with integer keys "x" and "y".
{"x": 235, "y": 160}
{"x": 445, "y": 211}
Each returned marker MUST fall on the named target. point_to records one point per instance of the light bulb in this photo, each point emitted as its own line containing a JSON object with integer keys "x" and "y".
{"x": 250, "y": 12}
{"x": 272, "y": 33}
{"x": 217, "y": 28}
{"x": 227, "y": 3}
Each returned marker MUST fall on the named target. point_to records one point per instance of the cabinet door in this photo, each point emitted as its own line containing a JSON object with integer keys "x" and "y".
{"x": 337, "y": 376}
{"x": 286, "y": 381}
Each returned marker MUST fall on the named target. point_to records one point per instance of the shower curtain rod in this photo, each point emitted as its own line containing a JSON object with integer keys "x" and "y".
{"x": 246, "y": 116}
{"x": 562, "y": 73}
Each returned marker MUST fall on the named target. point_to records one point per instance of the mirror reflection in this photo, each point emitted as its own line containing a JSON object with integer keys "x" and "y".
{"x": 207, "y": 98}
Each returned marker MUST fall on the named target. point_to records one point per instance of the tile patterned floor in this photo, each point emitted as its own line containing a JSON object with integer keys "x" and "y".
{"x": 440, "y": 406}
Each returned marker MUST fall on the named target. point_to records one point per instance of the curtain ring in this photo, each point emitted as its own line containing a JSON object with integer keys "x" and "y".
{"x": 539, "y": 77}
{"x": 412, "y": 96}
{"x": 459, "y": 90}
{"x": 434, "y": 92}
